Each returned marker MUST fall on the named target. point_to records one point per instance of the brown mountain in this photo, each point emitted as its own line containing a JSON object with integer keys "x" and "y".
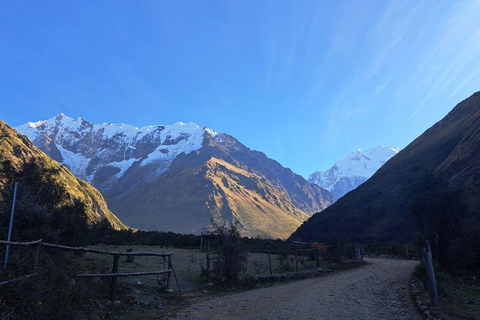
{"x": 379, "y": 208}
{"x": 224, "y": 179}
{"x": 177, "y": 177}
{"x": 17, "y": 149}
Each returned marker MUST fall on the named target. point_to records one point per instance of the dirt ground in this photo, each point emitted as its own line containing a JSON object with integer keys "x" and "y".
{"x": 376, "y": 291}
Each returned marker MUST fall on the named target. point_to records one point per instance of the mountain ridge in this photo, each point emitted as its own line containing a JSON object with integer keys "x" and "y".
{"x": 378, "y": 209}
{"x": 181, "y": 159}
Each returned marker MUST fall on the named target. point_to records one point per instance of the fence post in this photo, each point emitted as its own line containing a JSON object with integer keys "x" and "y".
{"x": 11, "y": 226}
{"x": 423, "y": 253}
{"x": 355, "y": 252}
{"x": 406, "y": 251}
{"x": 296, "y": 261}
{"x": 37, "y": 253}
{"x": 113, "y": 286}
{"x": 431, "y": 275}
{"x": 209, "y": 280}
{"x": 318, "y": 258}
{"x": 270, "y": 262}
{"x": 169, "y": 274}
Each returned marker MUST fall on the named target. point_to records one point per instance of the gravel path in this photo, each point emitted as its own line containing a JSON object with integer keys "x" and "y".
{"x": 376, "y": 291}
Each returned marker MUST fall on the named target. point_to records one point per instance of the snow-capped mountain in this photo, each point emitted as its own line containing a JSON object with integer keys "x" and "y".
{"x": 178, "y": 177}
{"x": 353, "y": 170}
{"x": 103, "y": 153}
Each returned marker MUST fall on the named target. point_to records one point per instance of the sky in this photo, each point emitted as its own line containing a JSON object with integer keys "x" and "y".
{"x": 305, "y": 82}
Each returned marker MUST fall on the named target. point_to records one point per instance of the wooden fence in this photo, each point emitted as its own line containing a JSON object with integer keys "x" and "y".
{"x": 214, "y": 255}
{"x": 116, "y": 259}
{"x": 294, "y": 252}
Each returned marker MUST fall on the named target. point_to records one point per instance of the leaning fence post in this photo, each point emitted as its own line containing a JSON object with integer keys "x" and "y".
{"x": 270, "y": 262}
{"x": 318, "y": 258}
{"x": 431, "y": 275}
{"x": 296, "y": 261}
{"x": 113, "y": 286}
{"x": 11, "y": 226}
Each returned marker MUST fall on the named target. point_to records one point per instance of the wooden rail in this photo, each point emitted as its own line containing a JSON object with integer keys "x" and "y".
{"x": 112, "y": 253}
{"x": 37, "y": 243}
{"x": 116, "y": 260}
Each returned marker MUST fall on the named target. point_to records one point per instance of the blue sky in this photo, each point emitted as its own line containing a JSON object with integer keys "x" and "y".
{"x": 306, "y": 82}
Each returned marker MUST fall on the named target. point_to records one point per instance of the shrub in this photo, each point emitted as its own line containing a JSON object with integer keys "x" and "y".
{"x": 232, "y": 256}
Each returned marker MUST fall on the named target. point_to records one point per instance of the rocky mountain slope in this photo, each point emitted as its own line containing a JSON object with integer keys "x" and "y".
{"x": 176, "y": 178}
{"x": 379, "y": 208}
{"x": 353, "y": 170}
{"x": 18, "y": 150}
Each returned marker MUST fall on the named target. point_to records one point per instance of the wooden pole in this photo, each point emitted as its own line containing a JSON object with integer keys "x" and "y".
{"x": 406, "y": 252}
{"x": 209, "y": 280}
{"x": 354, "y": 252}
{"x": 431, "y": 275}
{"x": 113, "y": 285}
{"x": 11, "y": 226}
{"x": 37, "y": 254}
{"x": 201, "y": 243}
{"x": 270, "y": 262}
{"x": 169, "y": 274}
{"x": 423, "y": 253}
{"x": 296, "y": 261}
{"x": 318, "y": 258}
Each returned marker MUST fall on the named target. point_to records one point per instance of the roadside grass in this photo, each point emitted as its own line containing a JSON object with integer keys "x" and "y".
{"x": 459, "y": 297}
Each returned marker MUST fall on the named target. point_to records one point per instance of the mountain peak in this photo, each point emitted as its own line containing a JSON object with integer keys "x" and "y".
{"x": 354, "y": 169}
{"x": 85, "y": 147}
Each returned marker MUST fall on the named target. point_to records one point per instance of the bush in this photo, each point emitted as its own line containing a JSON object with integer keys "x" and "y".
{"x": 232, "y": 256}
{"x": 442, "y": 214}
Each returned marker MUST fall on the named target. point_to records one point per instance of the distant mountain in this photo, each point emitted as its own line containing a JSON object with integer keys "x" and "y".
{"x": 353, "y": 170}
{"x": 379, "y": 208}
{"x": 17, "y": 150}
{"x": 176, "y": 178}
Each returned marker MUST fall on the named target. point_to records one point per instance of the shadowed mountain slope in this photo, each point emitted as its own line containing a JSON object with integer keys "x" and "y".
{"x": 379, "y": 208}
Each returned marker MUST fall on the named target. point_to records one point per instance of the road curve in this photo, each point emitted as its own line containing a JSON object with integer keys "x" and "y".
{"x": 376, "y": 291}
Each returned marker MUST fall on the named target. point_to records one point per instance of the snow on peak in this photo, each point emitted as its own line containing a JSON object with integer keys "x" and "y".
{"x": 354, "y": 169}
{"x": 85, "y": 147}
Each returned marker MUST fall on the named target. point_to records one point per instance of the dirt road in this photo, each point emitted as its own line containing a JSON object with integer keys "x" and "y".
{"x": 376, "y": 291}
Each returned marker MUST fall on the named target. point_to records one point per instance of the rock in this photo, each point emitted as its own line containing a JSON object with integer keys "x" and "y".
{"x": 170, "y": 290}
